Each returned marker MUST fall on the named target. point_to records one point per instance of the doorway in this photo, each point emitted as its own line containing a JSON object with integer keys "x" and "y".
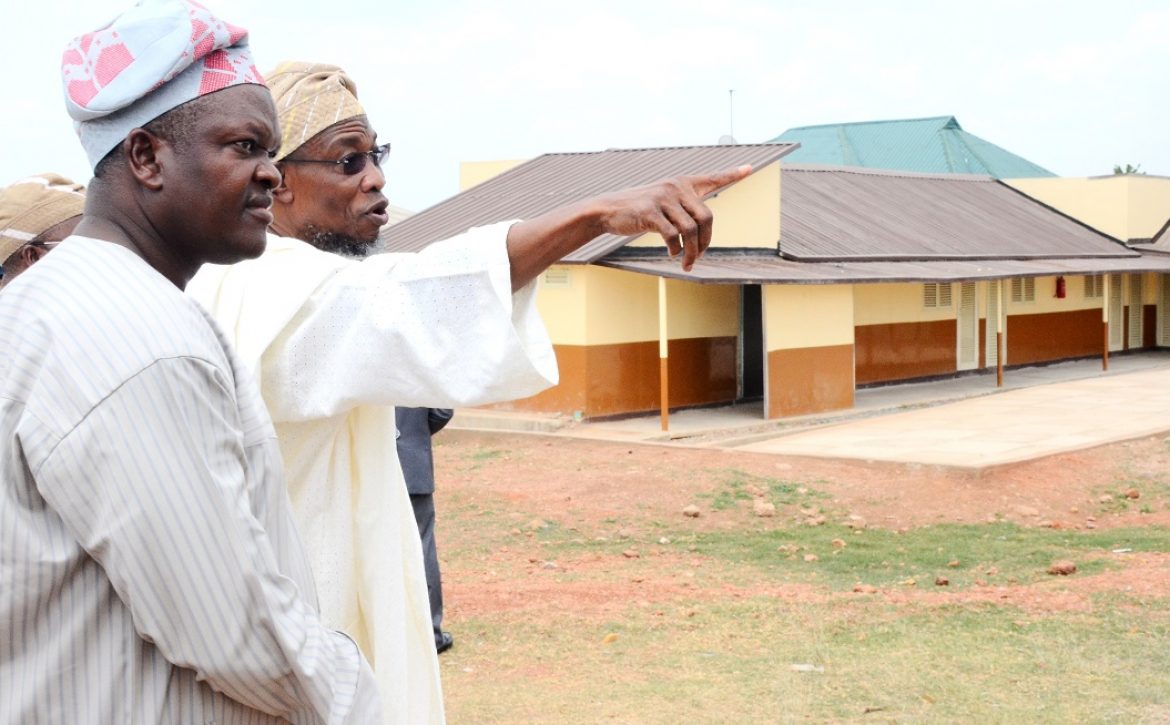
{"x": 751, "y": 343}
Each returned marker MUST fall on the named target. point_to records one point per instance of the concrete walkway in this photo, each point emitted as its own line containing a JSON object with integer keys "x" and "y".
{"x": 962, "y": 422}
{"x": 996, "y": 429}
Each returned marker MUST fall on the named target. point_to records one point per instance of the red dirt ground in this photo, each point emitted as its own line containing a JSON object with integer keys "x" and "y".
{"x": 616, "y": 490}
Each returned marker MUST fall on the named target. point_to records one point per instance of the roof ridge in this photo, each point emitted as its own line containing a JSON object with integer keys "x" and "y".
{"x": 665, "y": 148}
{"x": 871, "y": 171}
{"x": 947, "y": 118}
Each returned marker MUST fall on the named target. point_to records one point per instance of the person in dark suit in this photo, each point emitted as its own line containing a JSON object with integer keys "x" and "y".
{"x": 415, "y": 428}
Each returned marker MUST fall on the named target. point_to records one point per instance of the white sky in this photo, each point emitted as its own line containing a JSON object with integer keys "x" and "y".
{"x": 1075, "y": 86}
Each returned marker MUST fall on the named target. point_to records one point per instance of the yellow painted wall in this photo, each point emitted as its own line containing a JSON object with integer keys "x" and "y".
{"x": 1149, "y": 205}
{"x": 1131, "y": 206}
{"x": 747, "y": 214}
{"x": 600, "y": 306}
{"x": 798, "y": 316}
{"x": 623, "y": 307}
{"x": 1096, "y": 201}
{"x": 1046, "y": 299}
{"x": 1076, "y": 299}
{"x": 563, "y": 306}
{"x": 701, "y": 310}
{"x": 477, "y": 172}
{"x": 883, "y": 304}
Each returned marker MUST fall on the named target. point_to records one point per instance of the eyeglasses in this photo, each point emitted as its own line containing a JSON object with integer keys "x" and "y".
{"x": 351, "y": 164}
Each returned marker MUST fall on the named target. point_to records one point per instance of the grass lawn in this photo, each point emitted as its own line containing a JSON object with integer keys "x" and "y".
{"x": 568, "y": 612}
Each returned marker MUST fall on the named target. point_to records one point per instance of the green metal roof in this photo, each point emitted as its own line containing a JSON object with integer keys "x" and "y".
{"x": 937, "y": 145}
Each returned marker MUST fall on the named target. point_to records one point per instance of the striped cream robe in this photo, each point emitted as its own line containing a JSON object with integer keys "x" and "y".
{"x": 150, "y": 569}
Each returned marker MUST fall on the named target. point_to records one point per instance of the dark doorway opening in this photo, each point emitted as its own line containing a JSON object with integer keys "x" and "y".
{"x": 751, "y": 340}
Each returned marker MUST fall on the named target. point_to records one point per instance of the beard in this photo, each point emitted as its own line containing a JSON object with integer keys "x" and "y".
{"x": 343, "y": 244}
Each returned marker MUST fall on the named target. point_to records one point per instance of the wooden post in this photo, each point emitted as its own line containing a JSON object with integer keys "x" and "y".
{"x": 663, "y": 386}
{"x": 1105, "y": 347}
{"x": 1000, "y": 324}
{"x": 998, "y": 359}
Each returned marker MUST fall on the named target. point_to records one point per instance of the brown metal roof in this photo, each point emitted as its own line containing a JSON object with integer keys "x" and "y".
{"x": 1160, "y": 242}
{"x": 717, "y": 267}
{"x": 848, "y": 213}
{"x": 553, "y": 180}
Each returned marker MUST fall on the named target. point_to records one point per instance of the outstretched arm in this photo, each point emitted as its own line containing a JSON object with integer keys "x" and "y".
{"x": 673, "y": 208}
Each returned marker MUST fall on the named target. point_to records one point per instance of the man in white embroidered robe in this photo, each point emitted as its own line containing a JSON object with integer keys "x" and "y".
{"x": 337, "y": 342}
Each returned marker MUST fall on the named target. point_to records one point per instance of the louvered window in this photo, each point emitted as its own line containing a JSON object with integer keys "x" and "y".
{"x": 1164, "y": 311}
{"x": 1094, "y": 286}
{"x": 556, "y": 277}
{"x": 936, "y": 294}
{"x": 1024, "y": 289}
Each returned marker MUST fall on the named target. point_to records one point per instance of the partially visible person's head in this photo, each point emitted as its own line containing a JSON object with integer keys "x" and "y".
{"x": 35, "y": 214}
{"x": 179, "y": 127}
{"x": 331, "y": 195}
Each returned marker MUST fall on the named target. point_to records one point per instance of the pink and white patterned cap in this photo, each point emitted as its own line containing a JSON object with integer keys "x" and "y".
{"x": 154, "y": 57}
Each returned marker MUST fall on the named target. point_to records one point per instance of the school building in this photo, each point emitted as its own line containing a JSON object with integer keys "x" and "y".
{"x": 823, "y": 278}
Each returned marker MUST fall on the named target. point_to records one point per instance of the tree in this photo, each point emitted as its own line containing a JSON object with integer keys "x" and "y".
{"x": 1127, "y": 170}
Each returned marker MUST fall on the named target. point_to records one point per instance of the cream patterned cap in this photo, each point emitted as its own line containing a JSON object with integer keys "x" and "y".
{"x": 310, "y": 97}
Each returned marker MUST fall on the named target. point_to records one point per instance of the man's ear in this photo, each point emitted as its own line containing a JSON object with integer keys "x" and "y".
{"x": 30, "y": 253}
{"x": 143, "y": 150}
{"x": 283, "y": 192}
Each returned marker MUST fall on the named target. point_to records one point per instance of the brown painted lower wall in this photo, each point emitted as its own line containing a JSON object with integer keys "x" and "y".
{"x": 702, "y": 370}
{"x": 1053, "y": 336}
{"x": 906, "y": 350}
{"x": 569, "y": 394}
{"x": 600, "y": 380}
{"x": 810, "y": 380}
{"x": 621, "y": 379}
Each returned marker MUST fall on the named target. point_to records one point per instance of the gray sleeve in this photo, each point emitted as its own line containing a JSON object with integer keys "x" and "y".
{"x": 438, "y": 418}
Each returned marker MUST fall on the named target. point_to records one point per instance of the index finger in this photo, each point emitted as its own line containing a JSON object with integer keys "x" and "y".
{"x": 704, "y": 185}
